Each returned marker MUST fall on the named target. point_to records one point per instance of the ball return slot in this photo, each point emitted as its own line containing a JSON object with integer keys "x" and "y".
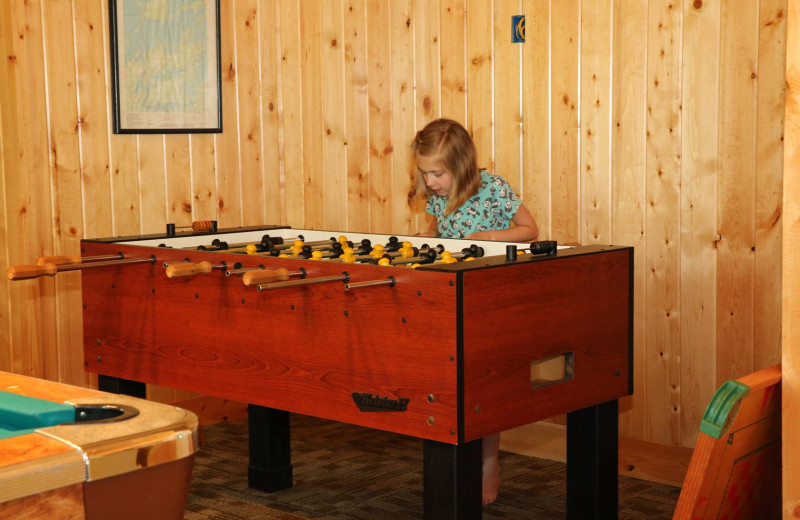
{"x": 552, "y": 370}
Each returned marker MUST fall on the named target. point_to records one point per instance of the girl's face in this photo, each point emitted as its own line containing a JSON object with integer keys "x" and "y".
{"x": 436, "y": 176}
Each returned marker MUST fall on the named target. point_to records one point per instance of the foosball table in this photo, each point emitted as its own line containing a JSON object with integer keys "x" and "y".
{"x": 441, "y": 339}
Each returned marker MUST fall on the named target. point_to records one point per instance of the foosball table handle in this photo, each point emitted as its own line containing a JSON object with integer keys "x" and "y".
{"x": 26, "y": 272}
{"x": 188, "y": 269}
{"x": 265, "y": 276}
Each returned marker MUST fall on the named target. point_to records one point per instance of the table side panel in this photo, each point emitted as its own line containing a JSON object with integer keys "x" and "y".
{"x": 302, "y": 349}
{"x": 516, "y": 314}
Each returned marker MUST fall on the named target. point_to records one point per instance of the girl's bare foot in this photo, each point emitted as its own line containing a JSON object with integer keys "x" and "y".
{"x": 491, "y": 480}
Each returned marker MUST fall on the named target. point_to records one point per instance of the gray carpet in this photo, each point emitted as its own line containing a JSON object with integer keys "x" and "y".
{"x": 346, "y": 472}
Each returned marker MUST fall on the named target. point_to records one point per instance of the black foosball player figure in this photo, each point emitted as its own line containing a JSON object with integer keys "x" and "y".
{"x": 468, "y": 202}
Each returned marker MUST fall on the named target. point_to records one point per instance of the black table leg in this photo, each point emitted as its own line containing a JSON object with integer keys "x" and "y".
{"x": 270, "y": 449}
{"x": 452, "y": 480}
{"x": 117, "y": 385}
{"x": 592, "y": 448}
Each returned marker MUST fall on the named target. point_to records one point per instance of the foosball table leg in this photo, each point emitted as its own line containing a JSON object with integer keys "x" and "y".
{"x": 270, "y": 449}
{"x": 592, "y": 451}
{"x": 452, "y": 480}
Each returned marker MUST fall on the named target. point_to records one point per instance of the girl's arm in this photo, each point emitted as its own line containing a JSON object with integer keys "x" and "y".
{"x": 432, "y": 230}
{"x": 524, "y": 230}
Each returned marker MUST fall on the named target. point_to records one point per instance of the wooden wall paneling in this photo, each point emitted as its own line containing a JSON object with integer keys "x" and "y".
{"x": 125, "y": 189}
{"x": 357, "y": 118}
{"x": 427, "y": 67}
{"x": 249, "y": 110}
{"x": 157, "y": 189}
{"x": 226, "y": 144}
{"x": 736, "y": 258}
{"x": 91, "y": 50}
{"x": 480, "y": 113}
{"x": 381, "y": 146}
{"x": 628, "y": 186}
{"x": 203, "y": 175}
{"x": 698, "y": 211}
{"x": 452, "y": 44}
{"x": 662, "y": 239}
{"x": 9, "y": 169}
{"x": 595, "y": 140}
{"x": 177, "y": 166}
{"x": 404, "y": 214}
{"x": 334, "y": 171}
{"x": 63, "y": 355}
{"x": 313, "y": 117}
{"x": 29, "y": 217}
{"x": 291, "y": 109}
{"x": 564, "y": 105}
{"x": 535, "y": 189}
{"x": 790, "y": 356}
{"x": 269, "y": 56}
{"x": 769, "y": 182}
{"x": 507, "y": 122}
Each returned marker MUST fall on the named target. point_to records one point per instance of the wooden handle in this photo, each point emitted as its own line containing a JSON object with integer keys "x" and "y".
{"x": 265, "y": 276}
{"x": 25, "y": 272}
{"x": 58, "y": 260}
{"x": 183, "y": 269}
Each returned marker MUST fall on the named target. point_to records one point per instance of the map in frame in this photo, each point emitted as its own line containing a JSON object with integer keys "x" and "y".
{"x": 165, "y": 66}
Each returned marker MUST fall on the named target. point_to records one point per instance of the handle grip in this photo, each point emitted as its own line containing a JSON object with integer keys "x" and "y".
{"x": 185, "y": 269}
{"x": 25, "y": 272}
{"x": 265, "y": 276}
{"x": 58, "y": 260}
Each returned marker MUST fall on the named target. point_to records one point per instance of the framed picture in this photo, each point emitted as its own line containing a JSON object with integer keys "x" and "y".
{"x": 165, "y": 66}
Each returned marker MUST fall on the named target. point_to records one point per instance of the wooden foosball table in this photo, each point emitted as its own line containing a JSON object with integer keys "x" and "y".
{"x": 449, "y": 341}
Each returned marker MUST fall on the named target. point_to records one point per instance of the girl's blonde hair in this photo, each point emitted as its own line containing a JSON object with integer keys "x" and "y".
{"x": 450, "y": 143}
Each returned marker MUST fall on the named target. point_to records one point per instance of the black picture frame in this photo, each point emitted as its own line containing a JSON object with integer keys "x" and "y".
{"x": 165, "y": 67}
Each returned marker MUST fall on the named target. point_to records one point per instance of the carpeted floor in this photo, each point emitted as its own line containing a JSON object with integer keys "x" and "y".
{"x": 346, "y": 472}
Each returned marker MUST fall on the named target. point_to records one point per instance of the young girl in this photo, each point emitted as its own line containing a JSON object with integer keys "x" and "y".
{"x": 468, "y": 203}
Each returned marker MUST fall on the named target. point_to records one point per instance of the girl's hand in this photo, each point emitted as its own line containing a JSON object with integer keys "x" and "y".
{"x": 481, "y": 235}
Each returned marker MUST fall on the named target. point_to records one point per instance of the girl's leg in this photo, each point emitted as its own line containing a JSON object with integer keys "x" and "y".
{"x": 491, "y": 467}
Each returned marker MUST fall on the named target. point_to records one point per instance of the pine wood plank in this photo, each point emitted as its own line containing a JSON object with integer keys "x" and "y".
{"x": 9, "y": 167}
{"x": 155, "y": 210}
{"x": 698, "y": 212}
{"x": 564, "y": 32}
{"x": 177, "y": 165}
{"x": 292, "y": 102}
{"x": 203, "y": 175}
{"x": 507, "y": 109}
{"x": 63, "y": 361}
{"x": 335, "y": 105}
{"x": 452, "y": 23}
{"x": 249, "y": 109}
{"x": 357, "y": 118}
{"x": 769, "y": 182}
{"x": 736, "y": 185}
{"x": 628, "y": 185}
{"x": 404, "y": 215}
{"x": 790, "y": 335}
{"x": 595, "y": 139}
{"x": 313, "y": 121}
{"x": 379, "y": 100}
{"x": 229, "y": 195}
{"x": 480, "y": 112}
{"x": 662, "y": 240}
{"x": 29, "y": 216}
{"x": 271, "y": 109}
{"x": 93, "y": 116}
{"x": 535, "y": 190}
